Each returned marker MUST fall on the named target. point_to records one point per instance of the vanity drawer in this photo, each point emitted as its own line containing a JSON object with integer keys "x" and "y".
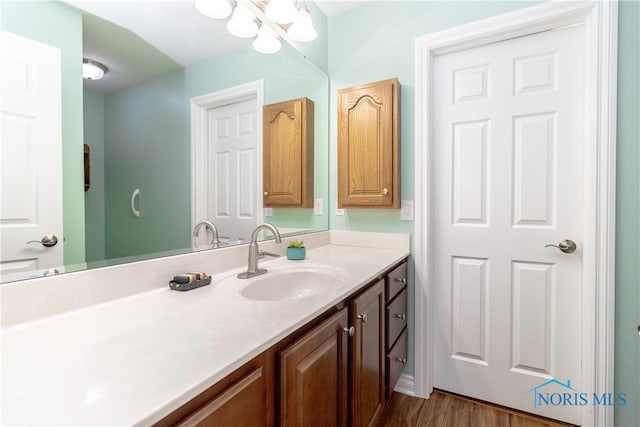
{"x": 396, "y": 281}
{"x": 396, "y": 361}
{"x": 396, "y": 318}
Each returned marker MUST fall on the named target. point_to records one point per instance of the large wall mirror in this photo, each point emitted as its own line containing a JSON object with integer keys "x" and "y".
{"x": 137, "y": 126}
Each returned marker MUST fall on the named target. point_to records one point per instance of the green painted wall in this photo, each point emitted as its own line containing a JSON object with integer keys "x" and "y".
{"x": 383, "y": 47}
{"x": 147, "y": 147}
{"x": 58, "y": 25}
{"x": 627, "y": 348}
{"x": 152, "y": 120}
{"x": 94, "y": 209}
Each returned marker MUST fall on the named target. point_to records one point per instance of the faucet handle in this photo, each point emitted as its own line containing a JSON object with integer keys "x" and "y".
{"x": 262, "y": 254}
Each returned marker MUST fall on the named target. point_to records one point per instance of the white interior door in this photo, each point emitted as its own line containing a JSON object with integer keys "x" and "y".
{"x": 508, "y": 172}
{"x": 233, "y": 169}
{"x": 31, "y": 155}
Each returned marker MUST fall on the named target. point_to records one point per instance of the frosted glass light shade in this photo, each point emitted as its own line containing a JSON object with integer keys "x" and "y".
{"x": 93, "y": 70}
{"x": 267, "y": 41}
{"x": 242, "y": 24}
{"x": 281, "y": 11}
{"x": 302, "y": 28}
{"x": 216, "y": 9}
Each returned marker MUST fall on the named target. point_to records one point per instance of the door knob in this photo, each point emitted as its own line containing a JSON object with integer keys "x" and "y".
{"x": 567, "y": 246}
{"x": 401, "y": 316}
{"x": 350, "y": 330}
{"x": 47, "y": 241}
{"x": 266, "y": 193}
{"x": 362, "y": 317}
{"x": 385, "y": 191}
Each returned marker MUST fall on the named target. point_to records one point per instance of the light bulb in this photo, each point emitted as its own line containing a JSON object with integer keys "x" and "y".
{"x": 267, "y": 40}
{"x": 216, "y": 9}
{"x": 281, "y": 11}
{"x": 242, "y": 24}
{"x": 302, "y": 28}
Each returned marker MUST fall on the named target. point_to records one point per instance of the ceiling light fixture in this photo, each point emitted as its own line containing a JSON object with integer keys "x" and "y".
{"x": 93, "y": 70}
{"x": 242, "y": 23}
{"x": 302, "y": 28}
{"x": 216, "y": 9}
{"x": 280, "y": 16}
{"x": 281, "y": 11}
{"x": 267, "y": 40}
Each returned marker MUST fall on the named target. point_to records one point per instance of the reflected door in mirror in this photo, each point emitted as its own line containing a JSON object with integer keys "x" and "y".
{"x": 31, "y": 155}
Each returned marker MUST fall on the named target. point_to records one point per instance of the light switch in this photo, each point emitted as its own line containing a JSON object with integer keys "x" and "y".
{"x": 406, "y": 210}
{"x": 339, "y": 212}
{"x": 317, "y": 206}
{"x": 268, "y": 211}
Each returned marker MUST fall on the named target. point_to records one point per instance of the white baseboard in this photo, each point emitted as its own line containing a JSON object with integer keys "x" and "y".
{"x": 406, "y": 385}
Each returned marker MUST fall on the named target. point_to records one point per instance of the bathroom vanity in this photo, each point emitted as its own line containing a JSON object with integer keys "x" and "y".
{"x": 227, "y": 352}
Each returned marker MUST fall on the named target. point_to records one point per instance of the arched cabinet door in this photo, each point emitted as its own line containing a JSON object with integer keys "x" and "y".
{"x": 368, "y": 145}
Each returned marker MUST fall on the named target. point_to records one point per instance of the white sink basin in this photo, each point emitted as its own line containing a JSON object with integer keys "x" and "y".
{"x": 293, "y": 282}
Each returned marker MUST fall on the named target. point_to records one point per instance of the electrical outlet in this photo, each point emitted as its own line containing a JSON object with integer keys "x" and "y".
{"x": 317, "y": 206}
{"x": 268, "y": 211}
{"x": 339, "y": 212}
{"x": 406, "y": 210}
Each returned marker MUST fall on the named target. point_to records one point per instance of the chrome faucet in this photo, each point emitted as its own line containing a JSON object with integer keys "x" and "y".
{"x": 215, "y": 242}
{"x": 255, "y": 254}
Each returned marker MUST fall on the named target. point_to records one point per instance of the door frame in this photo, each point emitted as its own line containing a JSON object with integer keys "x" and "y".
{"x": 600, "y": 21}
{"x": 200, "y": 105}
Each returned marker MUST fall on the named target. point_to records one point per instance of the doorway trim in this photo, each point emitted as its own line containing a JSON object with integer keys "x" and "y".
{"x": 601, "y": 30}
{"x": 200, "y": 105}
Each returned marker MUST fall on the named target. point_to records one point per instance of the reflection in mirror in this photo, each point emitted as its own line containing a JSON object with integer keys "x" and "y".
{"x": 137, "y": 124}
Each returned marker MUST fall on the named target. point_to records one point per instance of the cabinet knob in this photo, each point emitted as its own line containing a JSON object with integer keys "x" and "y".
{"x": 402, "y": 360}
{"x": 266, "y": 193}
{"x": 350, "y": 330}
{"x": 402, "y": 280}
{"x": 401, "y": 316}
{"x": 385, "y": 191}
{"x": 362, "y": 317}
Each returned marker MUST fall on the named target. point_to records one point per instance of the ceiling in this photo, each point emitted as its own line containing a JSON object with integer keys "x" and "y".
{"x": 141, "y": 39}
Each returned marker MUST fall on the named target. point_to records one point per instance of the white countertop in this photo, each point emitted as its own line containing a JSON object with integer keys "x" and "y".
{"x": 133, "y": 360}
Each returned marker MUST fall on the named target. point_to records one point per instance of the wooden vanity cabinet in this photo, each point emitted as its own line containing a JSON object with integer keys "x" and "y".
{"x": 367, "y": 356}
{"x": 313, "y": 376}
{"x": 368, "y": 145}
{"x": 245, "y": 397}
{"x": 288, "y": 153}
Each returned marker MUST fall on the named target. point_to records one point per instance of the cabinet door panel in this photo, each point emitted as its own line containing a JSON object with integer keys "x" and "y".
{"x": 396, "y": 281}
{"x": 368, "y": 154}
{"x": 367, "y": 363}
{"x": 288, "y": 153}
{"x": 243, "y": 403}
{"x": 313, "y": 376}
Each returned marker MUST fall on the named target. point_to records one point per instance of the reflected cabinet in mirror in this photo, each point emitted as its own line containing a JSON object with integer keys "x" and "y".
{"x": 174, "y": 131}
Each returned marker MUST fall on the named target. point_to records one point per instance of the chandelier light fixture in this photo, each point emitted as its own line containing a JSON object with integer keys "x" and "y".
{"x": 290, "y": 15}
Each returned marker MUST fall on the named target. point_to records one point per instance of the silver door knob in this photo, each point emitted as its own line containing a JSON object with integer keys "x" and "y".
{"x": 47, "y": 241}
{"x": 567, "y": 246}
{"x": 401, "y": 316}
{"x": 350, "y": 330}
{"x": 362, "y": 317}
{"x": 402, "y": 360}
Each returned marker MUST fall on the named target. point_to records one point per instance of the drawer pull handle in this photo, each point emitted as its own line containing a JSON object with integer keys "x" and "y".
{"x": 401, "y": 316}
{"x": 402, "y": 280}
{"x": 362, "y": 317}
{"x": 350, "y": 331}
{"x": 402, "y": 360}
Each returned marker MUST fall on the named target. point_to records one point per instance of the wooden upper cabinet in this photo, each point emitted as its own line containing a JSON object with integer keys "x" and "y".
{"x": 288, "y": 154}
{"x": 368, "y": 145}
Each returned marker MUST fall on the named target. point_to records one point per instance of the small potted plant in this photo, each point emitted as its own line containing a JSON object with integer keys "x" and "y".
{"x": 296, "y": 250}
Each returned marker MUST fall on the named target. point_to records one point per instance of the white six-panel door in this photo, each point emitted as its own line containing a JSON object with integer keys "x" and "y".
{"x": 31, "y": 156}
{"x": 508, "y": 181}
{"x": 233, "y": 168}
